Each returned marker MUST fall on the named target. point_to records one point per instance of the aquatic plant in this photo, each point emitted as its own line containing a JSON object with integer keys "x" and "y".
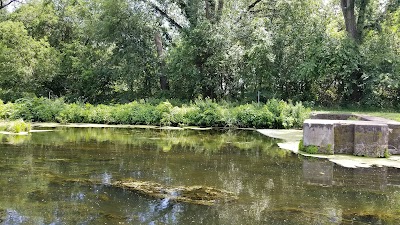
{"x": 16, "y": 126}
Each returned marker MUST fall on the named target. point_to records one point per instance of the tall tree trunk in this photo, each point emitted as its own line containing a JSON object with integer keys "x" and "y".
{"x": 219, "y": 10}
{"x": 361, "y": 18}
{"x": 210, "y": 9}
{"x": 354, "y": 29}
{"x": 349, "y": 18}
{"x": 164, "y": 84}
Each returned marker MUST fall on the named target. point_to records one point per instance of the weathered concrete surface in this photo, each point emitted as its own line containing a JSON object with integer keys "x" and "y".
{"x": 319, "y": 133}
{"x": 366, "y": 136}
{"x": 371, "y": 140}
{"x": 394, "y": 126}
{"x": 394, "y": 138}
{"x": 344, "y": 138}
{"x": 333, "y": 116}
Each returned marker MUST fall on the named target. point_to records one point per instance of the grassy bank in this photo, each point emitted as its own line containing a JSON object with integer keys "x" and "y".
{"x": 203, "y": 113}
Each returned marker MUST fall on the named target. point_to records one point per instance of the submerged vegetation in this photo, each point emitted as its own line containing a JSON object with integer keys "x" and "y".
{"x": 201, "y": 112}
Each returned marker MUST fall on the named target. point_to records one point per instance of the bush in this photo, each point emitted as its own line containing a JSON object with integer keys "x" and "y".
{"x": 205, "y": 113}
{"x": 46, "y": 110}
{"x": 72, "y": 113}
{"x": 162, "y": 113}
{"x": 253, "y": 116}
{"x": 274, "y": 114}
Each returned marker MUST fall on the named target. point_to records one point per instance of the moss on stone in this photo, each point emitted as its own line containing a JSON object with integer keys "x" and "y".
{"x": 311, "y": 149}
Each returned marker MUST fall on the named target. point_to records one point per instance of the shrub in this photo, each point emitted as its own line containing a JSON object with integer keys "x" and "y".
{"x": 101, "y": 114}
{"x": 205, "y": 113}
{"x": 274, "y": 114}
{"x": 46, "y": 110}
{"x": 71, "y": 113}
{"x": 276, "y": 107}
{"x": 162, "y": 113}
{"x": 177, "y": 116}
{"x": 22, "y": 108}
{"x": 253, "y": 116}
{"x": 310, "y": 149}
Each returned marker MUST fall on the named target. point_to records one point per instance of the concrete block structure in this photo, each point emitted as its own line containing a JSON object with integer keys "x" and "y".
{"x": 352, "y": 134}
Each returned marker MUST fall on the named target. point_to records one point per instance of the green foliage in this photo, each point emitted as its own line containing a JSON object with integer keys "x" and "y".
{"x": 26, "y": 63}
{"x": 251, "y": 115}
{"x": 387, "y": 153}
{"x": 162, "y": 113}
{"x": 103, "y": 52}
{"x": 46, "y": 110}
{"x": 301, "y": 145}
{"x": 204, "y": 113}
{"x": 310, "y": 149}
{"x": 15, "y": 126}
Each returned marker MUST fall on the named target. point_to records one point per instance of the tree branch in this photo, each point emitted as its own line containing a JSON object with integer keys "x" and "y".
{"x": 253, "y": 5}
{"x": 5, "y": 4}
{"x": 164, "y": 14}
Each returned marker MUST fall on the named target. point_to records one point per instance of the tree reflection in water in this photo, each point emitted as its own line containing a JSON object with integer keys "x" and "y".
{"x": 274, "y": 186}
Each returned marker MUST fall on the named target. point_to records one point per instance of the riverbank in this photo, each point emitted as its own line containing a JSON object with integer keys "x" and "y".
{"x": 201, "y": 113}
{"x": 94, "y": 125}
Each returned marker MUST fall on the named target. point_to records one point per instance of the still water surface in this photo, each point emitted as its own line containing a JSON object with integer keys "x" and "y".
{"x": 274, "y": 186}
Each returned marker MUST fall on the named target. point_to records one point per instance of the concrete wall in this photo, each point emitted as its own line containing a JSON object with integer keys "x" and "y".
{"x": 394, "y": 138}
{"x": 371, "y": 140}
{"x": 319, "y": 133}
{"x": 344, "y": 138}
{"x": 369, "y": 136}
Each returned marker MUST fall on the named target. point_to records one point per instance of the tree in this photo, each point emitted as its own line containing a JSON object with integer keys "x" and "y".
{"x": 26, "y": 64}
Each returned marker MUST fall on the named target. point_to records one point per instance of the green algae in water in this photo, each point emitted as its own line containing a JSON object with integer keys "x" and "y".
{"x": 273, "y": 186}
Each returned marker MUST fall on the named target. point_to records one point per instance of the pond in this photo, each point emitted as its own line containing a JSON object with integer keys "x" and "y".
{"x": 274, "y": 186}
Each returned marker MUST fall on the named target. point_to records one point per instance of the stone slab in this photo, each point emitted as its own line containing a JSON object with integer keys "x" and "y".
{"x": 331, "y": 116}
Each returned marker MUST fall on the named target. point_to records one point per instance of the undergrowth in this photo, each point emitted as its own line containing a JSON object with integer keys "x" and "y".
{"x": 202, "y": 112}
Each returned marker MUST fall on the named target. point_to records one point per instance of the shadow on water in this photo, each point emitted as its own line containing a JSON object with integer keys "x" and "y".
{"x": 274, "y": 186}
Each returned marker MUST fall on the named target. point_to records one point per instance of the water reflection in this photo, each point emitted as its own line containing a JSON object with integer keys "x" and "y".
{"x": 13, "y": 217}
{"x": 318, "y": 172}
{"x": 274, "y": 186}
{"x": 325, "y": 173}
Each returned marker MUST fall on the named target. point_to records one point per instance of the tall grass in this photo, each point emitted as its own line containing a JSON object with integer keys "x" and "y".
{"x": 15, "y": 126}
{"x": 202, "y": 112}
